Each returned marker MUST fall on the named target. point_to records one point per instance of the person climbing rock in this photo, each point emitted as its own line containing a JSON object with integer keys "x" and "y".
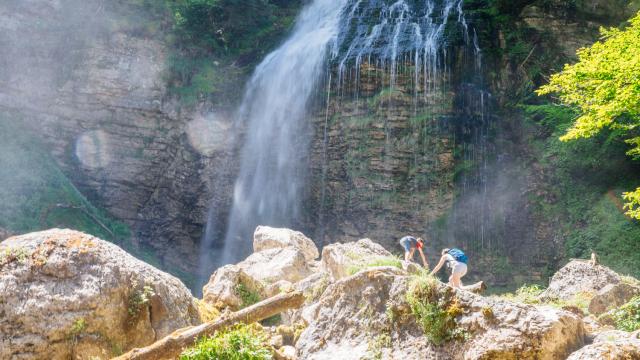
{"x": 410, "y": 244}
{"x": 457, "y": 261}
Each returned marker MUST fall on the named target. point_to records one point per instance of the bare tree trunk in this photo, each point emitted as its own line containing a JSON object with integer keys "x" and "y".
{"x": 172, "y": 345}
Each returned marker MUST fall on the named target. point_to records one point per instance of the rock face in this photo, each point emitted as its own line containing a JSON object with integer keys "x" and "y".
{"x": 68, "y": 295}
{"x": 350, "y": 321}
{"x": 611, "y": 296}
{"x": 579, "y": 276}
{"x": 95, "y": 92}
{"x": 337, "y": 259}
{"x": 611, "y": 345}
{"x": 266, "y": 237}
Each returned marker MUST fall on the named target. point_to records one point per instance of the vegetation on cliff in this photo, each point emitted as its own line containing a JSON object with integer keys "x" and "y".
{"x": 605, "y": 86}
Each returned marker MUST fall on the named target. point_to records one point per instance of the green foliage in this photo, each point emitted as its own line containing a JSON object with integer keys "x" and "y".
{"x": 33, "y": 187}
{"x": 378, "y": 261}
{"x": 247, "y": 296}
{"x": 138, "y": 299}
{"x": 526, "y": 294}
{"x": 627, "y": 317}
{"x": 433, "y": 310}
{"x": 241, "y": 343}
{"x": 605, "y": 86}
{"x": 78, "y": 327}
{"x": 213, "y": 43}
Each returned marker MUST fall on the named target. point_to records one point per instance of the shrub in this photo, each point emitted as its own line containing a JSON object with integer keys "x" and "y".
{"x": 247, "y": 296}
{"x": 434, "y": 311}
{"x": 240, "y": 343}
{"x": 627, "y": 317}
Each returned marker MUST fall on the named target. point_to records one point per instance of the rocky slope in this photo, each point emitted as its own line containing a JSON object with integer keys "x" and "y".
{"x": 68, "y": 295}
{"x": 357, "y": 309}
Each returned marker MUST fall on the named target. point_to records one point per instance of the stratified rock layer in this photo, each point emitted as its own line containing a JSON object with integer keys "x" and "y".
{"x": 68, "y": 295}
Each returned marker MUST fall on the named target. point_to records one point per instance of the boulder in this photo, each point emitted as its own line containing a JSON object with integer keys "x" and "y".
{"x": 272, "y": 265}
{"x": 610, "y": 345}
{"x": 223, "y": 291}
{"x": 338, "y": 259}
{"x": 611, "y": 296}
{"x": 579, "y": 276}
{"x": 266, "y": 237}
{"x": 351, "y": 321}
{"x": 69, "y": 295}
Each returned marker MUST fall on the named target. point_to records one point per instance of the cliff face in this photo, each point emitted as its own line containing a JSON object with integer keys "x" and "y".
{"x": 383, "y": 163}
{"x": 96, "y": 95}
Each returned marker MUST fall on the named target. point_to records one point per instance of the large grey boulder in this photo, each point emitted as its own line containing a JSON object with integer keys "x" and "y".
{"x": 338, "y": 259}
{"x": 611, "y": 296}
{"x": 266, "y": 237}
{"x": 351, "y": 321}
{"x": 579, "y": 277}
{"x": 611, "y": 345}
{"x": 69, "y": 295}
{"x": 272, "y": 265}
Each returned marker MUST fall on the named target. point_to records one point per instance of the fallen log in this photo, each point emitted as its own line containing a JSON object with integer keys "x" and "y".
{"x": 172, "y": 345}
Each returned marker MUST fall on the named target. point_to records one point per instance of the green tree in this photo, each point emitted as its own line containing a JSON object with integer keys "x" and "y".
{"x": 604, "y": 85}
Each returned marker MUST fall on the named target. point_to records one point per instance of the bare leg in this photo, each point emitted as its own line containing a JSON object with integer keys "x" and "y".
{"x": 455, "y": 281}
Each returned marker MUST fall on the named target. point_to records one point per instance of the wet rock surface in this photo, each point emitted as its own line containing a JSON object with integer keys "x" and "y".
{"x": 68, "y": 295}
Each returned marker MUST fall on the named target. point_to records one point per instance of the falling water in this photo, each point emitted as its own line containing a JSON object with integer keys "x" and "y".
{"x": 269, "y": 187}
{"x": 341, "y": 35}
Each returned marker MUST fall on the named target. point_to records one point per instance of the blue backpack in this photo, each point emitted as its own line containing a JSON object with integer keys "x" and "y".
{"x": 458, "y": 255}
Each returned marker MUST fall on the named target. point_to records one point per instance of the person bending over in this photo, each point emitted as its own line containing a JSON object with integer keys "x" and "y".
{"x": 457, "y": 261}
{"x": 410, "y": 244}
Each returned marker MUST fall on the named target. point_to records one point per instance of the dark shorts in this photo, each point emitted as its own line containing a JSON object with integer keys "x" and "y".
{"x": 407, "y": 243}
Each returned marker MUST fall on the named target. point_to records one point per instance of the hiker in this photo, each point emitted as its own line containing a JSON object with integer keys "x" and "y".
{"x": 410, "y": 244}
{"x": 457, "y": 262}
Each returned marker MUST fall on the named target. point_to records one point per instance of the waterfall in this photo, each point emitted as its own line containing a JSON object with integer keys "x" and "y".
{"x": 330, "y": 44}
{"x": 272, "y": 175}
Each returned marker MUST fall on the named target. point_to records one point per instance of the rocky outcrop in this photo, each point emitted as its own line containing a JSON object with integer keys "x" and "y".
{"x": 612, "y": 296}
{"x": 70, "y": 295}
{"x": 579, "y": 277}
{"x": 282, "y": 258}
{"x": 611, "y": 345}
{"x": 338, "y": 259}
{"x": 266, "y": 237}
{"x": 351, "y": 321}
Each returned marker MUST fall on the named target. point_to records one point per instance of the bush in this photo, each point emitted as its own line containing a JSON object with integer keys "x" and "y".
{"x": 627, "y": 317}
{"x": 241, "y": 343}
{"x": 434, "y": 311}
{"x": 248, "y": 297}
